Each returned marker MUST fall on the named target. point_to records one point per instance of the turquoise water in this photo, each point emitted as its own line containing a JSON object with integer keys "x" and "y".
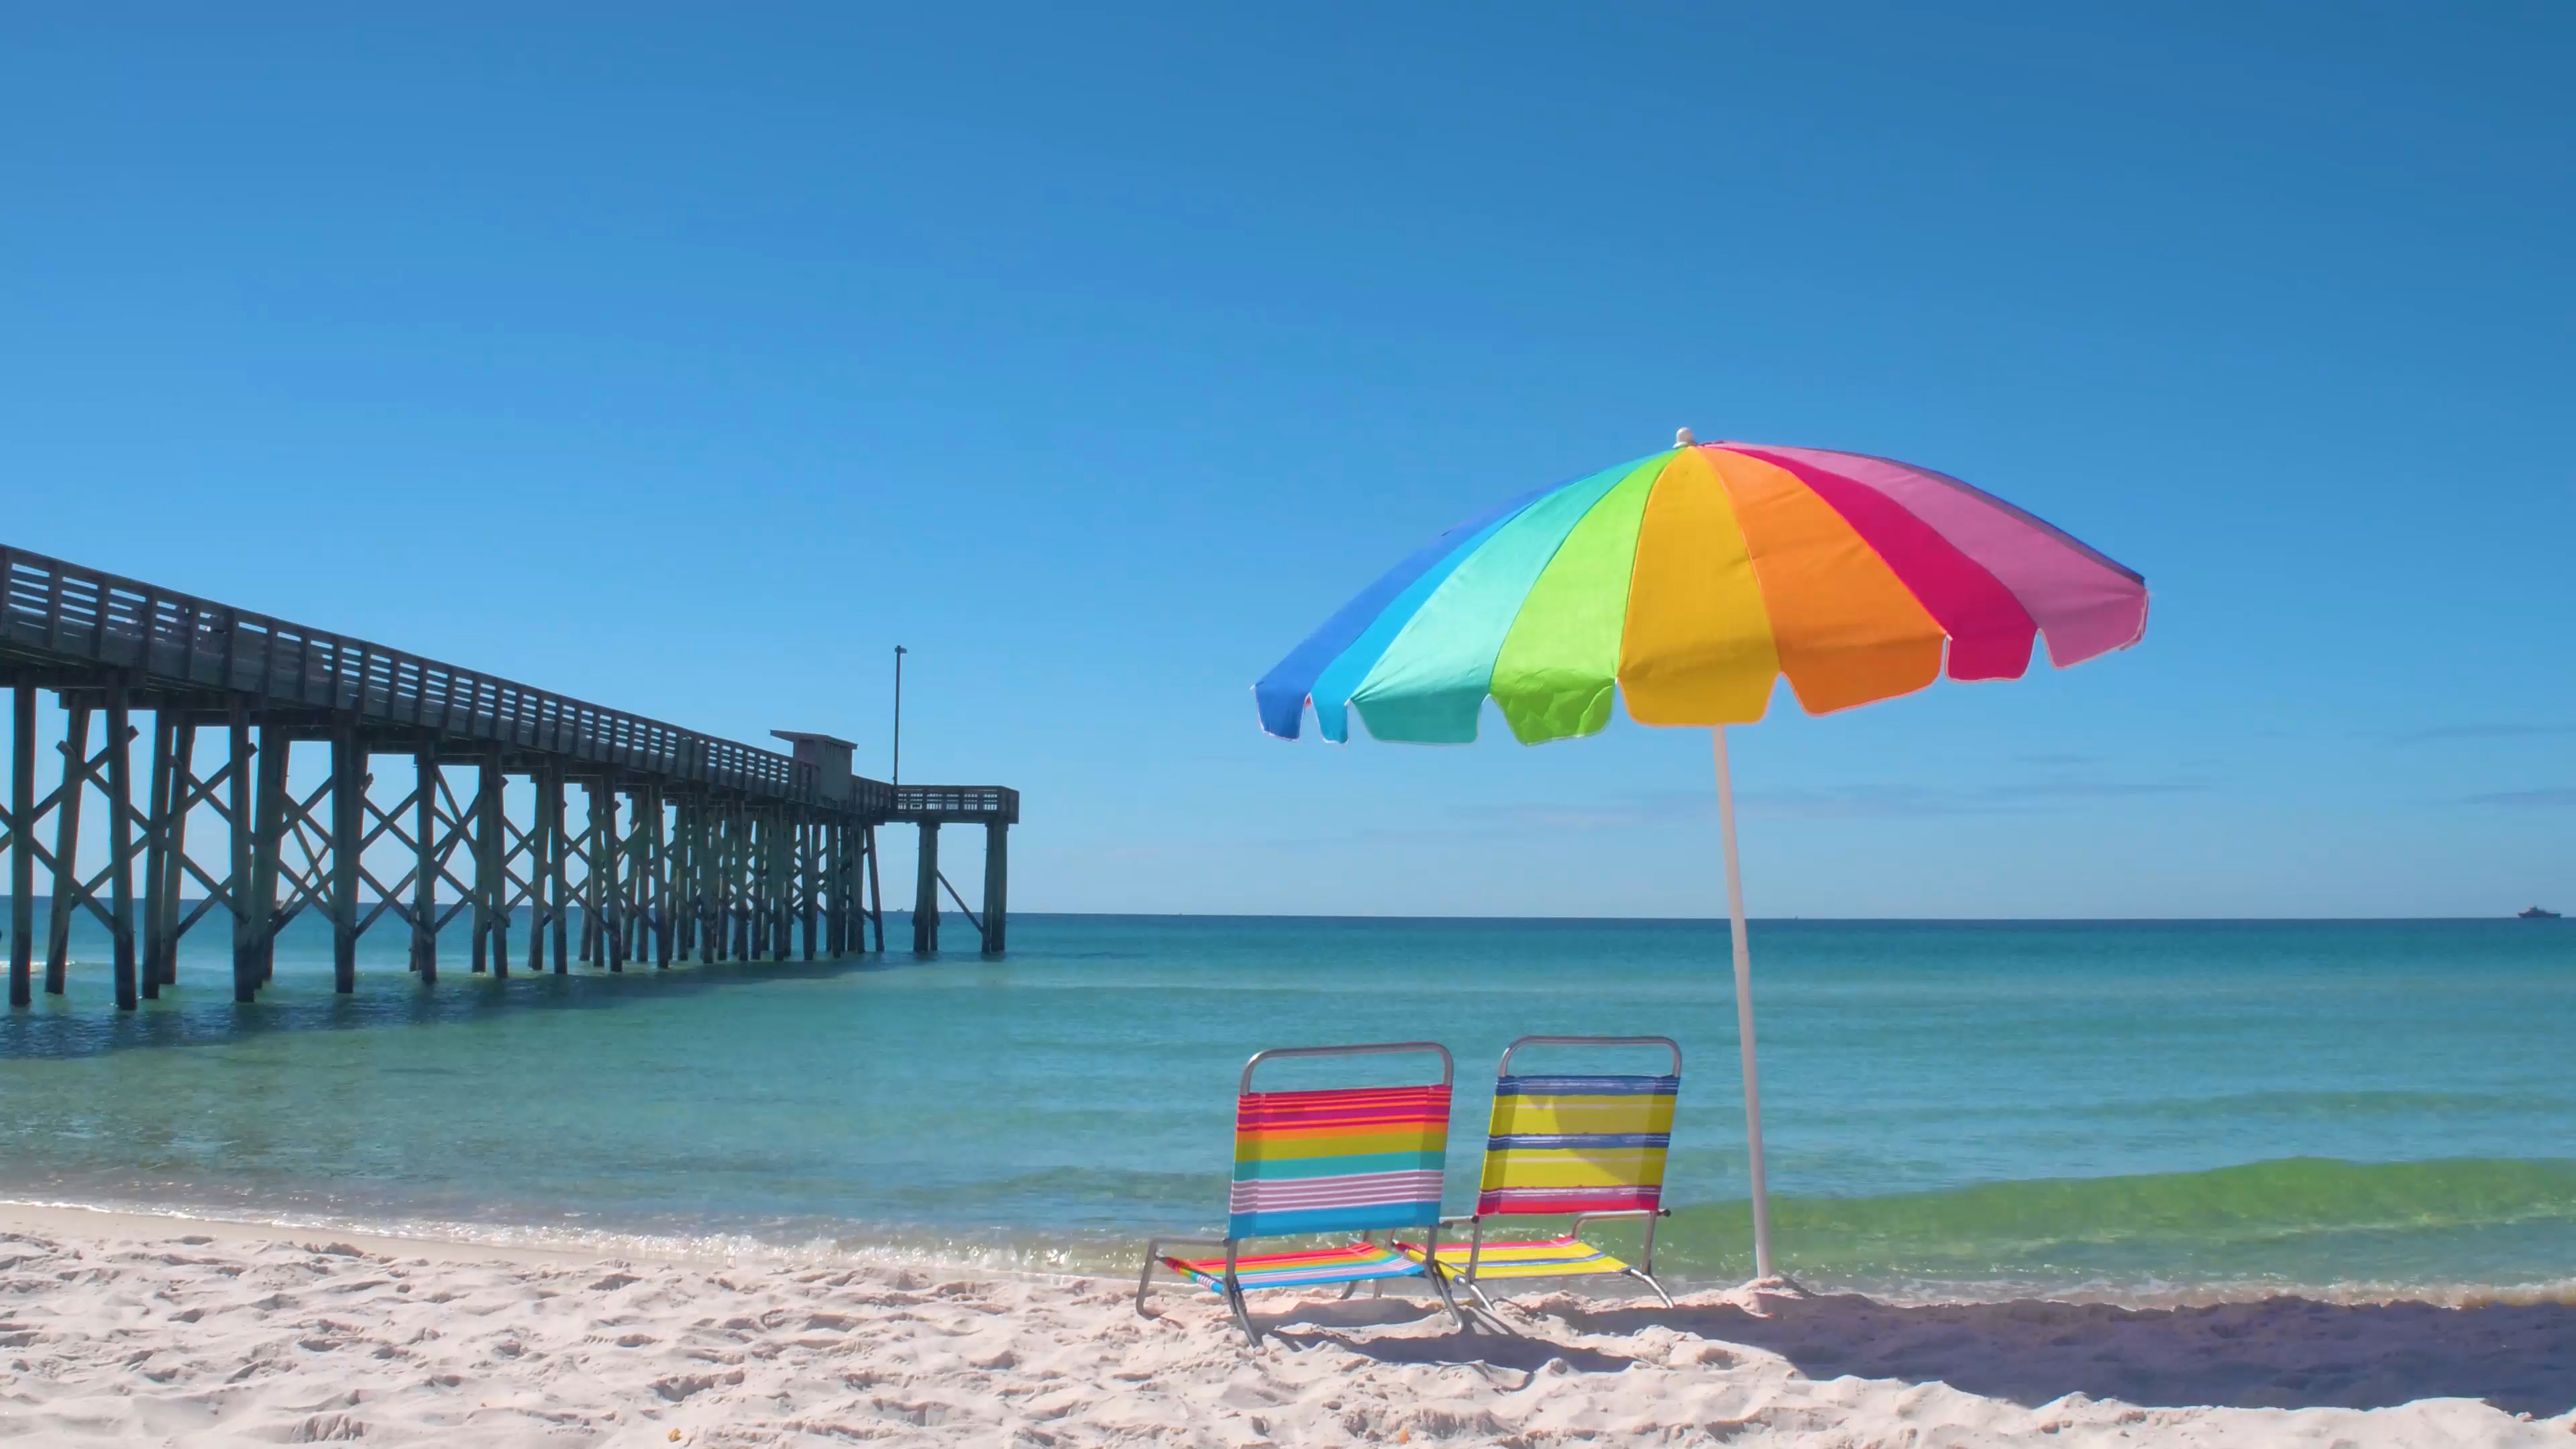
{"x": 1951, "y": 1107}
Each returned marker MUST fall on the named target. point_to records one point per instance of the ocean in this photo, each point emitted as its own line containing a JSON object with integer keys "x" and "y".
{"x": 2137, "y": 1110}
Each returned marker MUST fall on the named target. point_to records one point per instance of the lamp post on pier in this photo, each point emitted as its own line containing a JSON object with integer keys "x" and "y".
{"x": 899, "y": 652}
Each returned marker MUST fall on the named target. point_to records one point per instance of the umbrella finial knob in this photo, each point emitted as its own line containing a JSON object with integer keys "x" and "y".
{"x": 1682, "y": 437}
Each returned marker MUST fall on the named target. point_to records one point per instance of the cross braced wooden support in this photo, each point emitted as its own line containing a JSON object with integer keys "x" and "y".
{"x": 181, "y": 794}
{"x": 402, "y": 898}
{"x": 78, "y": 771}
{"x": 520, "y": 881}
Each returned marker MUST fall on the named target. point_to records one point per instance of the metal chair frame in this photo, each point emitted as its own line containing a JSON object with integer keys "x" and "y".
{"x": 1233, "y": 1289}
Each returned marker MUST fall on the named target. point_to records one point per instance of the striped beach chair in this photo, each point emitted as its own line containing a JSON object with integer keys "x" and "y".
{"x": 1359, "y": 1160}
{"x": 1566, "y": 1145}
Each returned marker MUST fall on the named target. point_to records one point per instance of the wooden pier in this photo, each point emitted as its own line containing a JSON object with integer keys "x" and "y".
{"x": 682, "y": 844}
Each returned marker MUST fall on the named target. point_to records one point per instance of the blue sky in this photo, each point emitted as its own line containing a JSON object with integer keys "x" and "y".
{"x": 689, "y": 361}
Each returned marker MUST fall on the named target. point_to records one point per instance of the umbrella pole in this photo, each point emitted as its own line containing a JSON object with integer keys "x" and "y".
{"x": 1744, "y": 1012}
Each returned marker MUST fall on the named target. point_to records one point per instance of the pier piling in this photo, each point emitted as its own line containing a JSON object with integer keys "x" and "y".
{"x": 22, "y": 846}
{"x": 425, "y": 858}
{"x": 120, "y": 841}
{"x": 156, "y": 850}
{"x": 268, "y": 844}
{"x": 188, "y": 791}
{"x": 77, "y": 767}
{"x": 348, "y": 784}
{"x": 997, "y": 885}
{"x": 925, "y": 893}
{"x": 558, "y": 860}
{"x": 876, "y": 893}
{"x": 237, "y": 823}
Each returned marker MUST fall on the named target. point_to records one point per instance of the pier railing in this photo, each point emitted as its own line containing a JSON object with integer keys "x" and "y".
{"x": 998, "y": 803}
{"x": 55, "y": 610}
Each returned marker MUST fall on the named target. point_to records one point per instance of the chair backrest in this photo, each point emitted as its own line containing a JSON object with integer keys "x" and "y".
{"x": 1350, "y": 1160}
{"x": 1578, "y": 1143}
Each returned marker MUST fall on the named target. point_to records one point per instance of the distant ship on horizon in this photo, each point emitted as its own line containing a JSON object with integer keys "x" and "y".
{"x": 2537, "y": 914}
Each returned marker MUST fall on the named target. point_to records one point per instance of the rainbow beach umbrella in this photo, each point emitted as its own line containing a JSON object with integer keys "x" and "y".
{"x": 1684, "y": 584}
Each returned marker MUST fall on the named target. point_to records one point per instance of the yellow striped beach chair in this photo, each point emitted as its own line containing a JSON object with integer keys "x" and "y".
{"x": 1566, "y": 1145}
{"x": 1358, "y": 1160}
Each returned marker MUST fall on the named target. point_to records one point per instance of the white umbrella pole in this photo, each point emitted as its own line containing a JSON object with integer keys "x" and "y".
{"x": 1744, "y": 1012}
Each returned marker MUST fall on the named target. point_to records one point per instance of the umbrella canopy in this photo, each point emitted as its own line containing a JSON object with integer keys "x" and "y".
{"x": 1688, "y": 583}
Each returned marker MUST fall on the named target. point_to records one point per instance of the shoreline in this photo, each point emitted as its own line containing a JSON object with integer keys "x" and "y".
{"x": 1076, "y": 1256}
{"x": 127, "y": 1327}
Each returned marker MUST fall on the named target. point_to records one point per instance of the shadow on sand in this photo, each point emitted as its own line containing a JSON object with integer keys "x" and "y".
{"x": 2276, "y": 1353}
{"x": 2284, "y": 1353}
{"x": 1484, "y": 1341}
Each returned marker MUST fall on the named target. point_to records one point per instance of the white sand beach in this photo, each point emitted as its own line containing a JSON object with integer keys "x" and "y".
{"x": 144, "y": 1330}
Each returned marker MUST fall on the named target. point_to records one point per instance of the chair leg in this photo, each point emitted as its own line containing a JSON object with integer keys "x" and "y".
{"x": 1145, "y": 1279}
{"x": 1154, "y": 1257}
{"x": 1242, "y": 1314}
{"x": 1480, "y": 1296}
{"x": 1649, "y": 1280}
{"x": 1440, "y": 1284}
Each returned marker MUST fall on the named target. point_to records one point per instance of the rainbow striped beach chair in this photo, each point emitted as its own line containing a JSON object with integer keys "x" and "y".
{"x": 1579, "y": 1146}
{"x": 1353, "y": 1160}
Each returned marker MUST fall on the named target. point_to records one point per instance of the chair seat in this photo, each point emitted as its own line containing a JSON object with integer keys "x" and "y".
{"x": 1545, "y": 1258}
{"x": 1348, "y": 1263}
